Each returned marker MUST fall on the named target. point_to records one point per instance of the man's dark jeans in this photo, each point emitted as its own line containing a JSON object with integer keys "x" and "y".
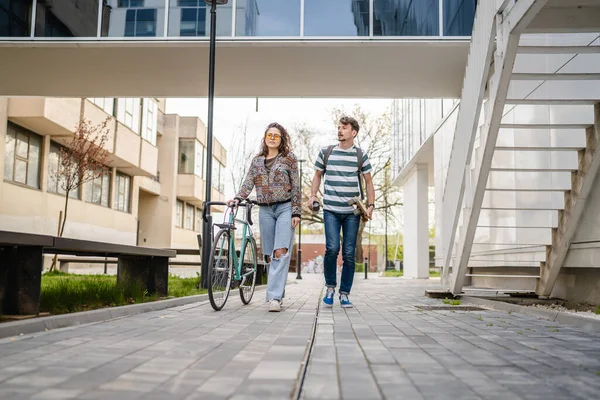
{"x": 348, "y": 224}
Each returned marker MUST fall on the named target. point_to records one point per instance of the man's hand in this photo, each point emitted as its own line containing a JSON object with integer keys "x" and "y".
{"x": 370, "y": 211}
{"x": 311, "y": 200}
{"x": 295, "y": 222}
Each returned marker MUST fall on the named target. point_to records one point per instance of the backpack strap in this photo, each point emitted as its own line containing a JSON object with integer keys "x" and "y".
{"x": 326, "y": 157}
{"x": 359, "y": 155}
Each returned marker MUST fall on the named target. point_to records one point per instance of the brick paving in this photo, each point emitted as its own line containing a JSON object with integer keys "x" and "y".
{"x": 383, "y": 348}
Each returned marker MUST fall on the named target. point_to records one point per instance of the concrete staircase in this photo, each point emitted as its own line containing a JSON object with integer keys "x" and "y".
{"x": 543, "y": 162}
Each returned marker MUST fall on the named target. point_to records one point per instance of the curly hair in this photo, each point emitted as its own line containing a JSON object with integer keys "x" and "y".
{"x": 285, "y": 147}
{"x": 345, "y": 120}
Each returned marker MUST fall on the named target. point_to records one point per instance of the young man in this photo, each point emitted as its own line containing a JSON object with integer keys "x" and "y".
{"x": 341, "y": 184}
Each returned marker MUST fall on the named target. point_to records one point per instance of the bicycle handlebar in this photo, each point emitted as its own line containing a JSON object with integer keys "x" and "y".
{"x": 247, "y": 203}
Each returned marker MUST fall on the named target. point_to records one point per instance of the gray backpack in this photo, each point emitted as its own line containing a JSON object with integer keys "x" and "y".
{"x": 359, "y": 155}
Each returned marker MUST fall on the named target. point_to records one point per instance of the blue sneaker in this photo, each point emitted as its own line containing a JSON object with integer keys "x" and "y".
{"x": 345, "y": 302}
{"x": 328, "y": 299}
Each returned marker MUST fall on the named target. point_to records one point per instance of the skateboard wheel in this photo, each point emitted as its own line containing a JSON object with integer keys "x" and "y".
{"x": 357, "y": 211}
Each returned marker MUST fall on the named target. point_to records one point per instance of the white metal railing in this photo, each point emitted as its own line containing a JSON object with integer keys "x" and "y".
{"x": 476, "y": 76}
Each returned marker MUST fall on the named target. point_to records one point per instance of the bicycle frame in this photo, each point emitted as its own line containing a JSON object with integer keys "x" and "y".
{"x": 246, "y": 232}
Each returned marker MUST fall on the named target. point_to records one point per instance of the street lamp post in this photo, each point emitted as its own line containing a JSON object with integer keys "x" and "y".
{"x": 299, "y": 259}
{"x": 207, "y": 225}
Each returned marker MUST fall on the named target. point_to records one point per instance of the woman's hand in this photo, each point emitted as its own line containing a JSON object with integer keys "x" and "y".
{"x": 295, "y": 222}
{"x": 232, "y": 202}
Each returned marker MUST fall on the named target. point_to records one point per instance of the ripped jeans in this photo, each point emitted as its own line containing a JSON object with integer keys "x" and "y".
{"x": 276, "y": 233}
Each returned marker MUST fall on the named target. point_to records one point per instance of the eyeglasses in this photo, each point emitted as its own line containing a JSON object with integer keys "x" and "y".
{"x": 273, "y": 136}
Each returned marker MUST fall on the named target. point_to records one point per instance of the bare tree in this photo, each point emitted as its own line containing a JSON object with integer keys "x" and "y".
{"x": 83, "y": 159}
{"x": 240, "y": 156}
{"x": 374, "y": 139}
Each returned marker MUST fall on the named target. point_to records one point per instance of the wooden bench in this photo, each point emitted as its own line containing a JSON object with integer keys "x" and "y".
{"x": 21, "y": 263}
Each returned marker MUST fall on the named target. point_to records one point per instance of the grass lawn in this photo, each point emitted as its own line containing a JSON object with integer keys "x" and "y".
{"x": 394, "y": 273}
{"x": 66, "y": 293}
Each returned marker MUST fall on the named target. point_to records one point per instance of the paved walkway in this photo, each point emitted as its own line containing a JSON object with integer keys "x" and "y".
{"x": 383, "y": 348}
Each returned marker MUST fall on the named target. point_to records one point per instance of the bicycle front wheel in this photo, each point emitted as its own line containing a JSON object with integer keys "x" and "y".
{"x": 248, "y": 271}
{"x": 220, "y": 271}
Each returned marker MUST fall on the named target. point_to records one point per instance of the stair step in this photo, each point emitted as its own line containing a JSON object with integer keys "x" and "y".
{"x": 503, "y": 264}
{"x": 558, "y": 50}
{"x": 540, "y": 148}
{"x": 545, "y": 126}
{"x": 543, "y": 76}
{"x": 495, "y": 290}
{"x": 553, "y": 102}
{"x": 526, "y": 180}
{"x": 523, "y": 200}
{"x": 504, "y": 276}
{"x": 533, "y": 139}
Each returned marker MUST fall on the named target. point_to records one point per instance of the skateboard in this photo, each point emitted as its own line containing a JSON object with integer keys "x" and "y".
{"x": 359, "y": 208}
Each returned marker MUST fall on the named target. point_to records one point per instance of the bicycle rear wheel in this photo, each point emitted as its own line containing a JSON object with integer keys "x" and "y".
{"x": 220, "y": 271}
{"x": 248, "y": 271}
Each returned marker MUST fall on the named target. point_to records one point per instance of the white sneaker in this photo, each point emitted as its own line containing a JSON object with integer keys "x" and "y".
{"x": 275, "y": 306}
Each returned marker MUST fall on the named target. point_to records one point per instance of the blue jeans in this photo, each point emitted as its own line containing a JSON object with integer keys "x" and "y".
{"x": 349, "y": 224}
{"x": 276, "y": 232}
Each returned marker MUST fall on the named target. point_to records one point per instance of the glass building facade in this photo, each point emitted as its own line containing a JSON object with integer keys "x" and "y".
{"x": 414, "y": 120}
{"x": 182, "y": 19}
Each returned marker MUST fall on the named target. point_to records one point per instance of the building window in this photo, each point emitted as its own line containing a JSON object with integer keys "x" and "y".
{"x": 149, "y": 120}
{"x": 140, "y": 22}
{"x": 97, "y": 190}
{"x": 122, "y": 192}
{"x": 406, "y": 18}
{"x": 22, "y": 154}
{"x": 179, "y": 215}
{"x": 128, "y": 113}
{"x": 199, "y": 161}
{"x": 15, "y": 17}
{"x": 56, "y": 180}
{"x": 131, "y": 3}
{"x": 268, "y": 18}
{"x": 191, "y": 157}
{"x": 198, "y": 220}
{"x": 217, "y": 175}
{"x": 105, "y": 103}
{"x": 191, "y": 18}
{"x": 336, "y": 17}
{"x": 186, "y": 156}
{"x": 193, "y": 22}
{"x": 188, "y": 222}
{"x": 459, "y": 16}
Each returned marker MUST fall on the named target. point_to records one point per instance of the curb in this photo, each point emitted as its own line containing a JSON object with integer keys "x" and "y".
{"x": 34, "y": 325}
{"x": 554, "y": 316}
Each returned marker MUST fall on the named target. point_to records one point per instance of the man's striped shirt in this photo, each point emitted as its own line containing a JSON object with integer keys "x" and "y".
{"x": 341, "y": 178}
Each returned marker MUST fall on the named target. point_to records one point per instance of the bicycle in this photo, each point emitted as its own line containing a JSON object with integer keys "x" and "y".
{"x": 224, "y": 256}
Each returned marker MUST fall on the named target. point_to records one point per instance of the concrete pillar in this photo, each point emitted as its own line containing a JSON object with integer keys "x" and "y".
{"x": 416, "y": 223}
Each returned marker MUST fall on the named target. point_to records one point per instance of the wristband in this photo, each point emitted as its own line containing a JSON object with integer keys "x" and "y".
{"x": 371, "y": 205}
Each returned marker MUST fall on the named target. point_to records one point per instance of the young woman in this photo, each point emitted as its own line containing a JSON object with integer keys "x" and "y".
{"x": 274, "y": 174}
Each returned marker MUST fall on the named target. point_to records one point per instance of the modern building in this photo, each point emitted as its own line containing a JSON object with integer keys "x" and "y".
{"x": 364, "y": 48}
{"x": 513, "y": 162}
{"x": 152, "y": 195}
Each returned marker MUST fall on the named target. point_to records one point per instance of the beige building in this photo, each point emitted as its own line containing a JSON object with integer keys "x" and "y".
{"x": 152, "y": 195}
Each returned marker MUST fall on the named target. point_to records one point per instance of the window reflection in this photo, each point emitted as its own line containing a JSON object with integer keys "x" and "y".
{"x": 267, "y": 18}
{"x": 66, "y": 18}
{"x": 336, "y": 17}
{"x": 15, "y": 18}
{"x": 192, "y": 18}
{"x": 458, "y": 17}
{"x": 133, "y": 18}
{"x": 406, "y": 17}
